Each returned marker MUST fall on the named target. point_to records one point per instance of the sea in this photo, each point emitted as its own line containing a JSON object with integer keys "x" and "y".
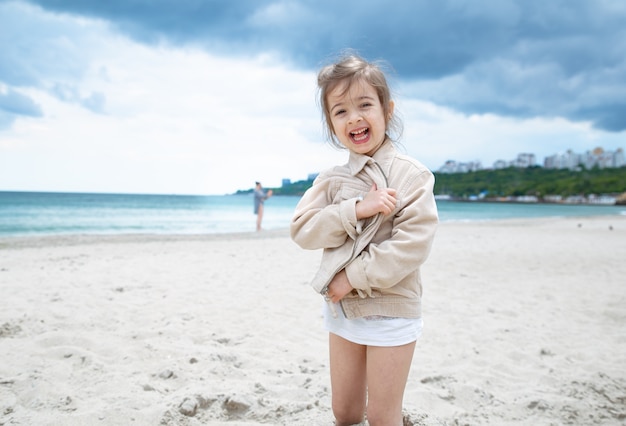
{"x": 51, "y": 213}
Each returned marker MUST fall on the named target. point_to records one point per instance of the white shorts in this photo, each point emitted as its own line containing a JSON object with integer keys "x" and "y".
{"x": 373, "y": 331}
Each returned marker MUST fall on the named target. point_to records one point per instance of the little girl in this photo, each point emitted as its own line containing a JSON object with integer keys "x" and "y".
{"x": 375, "y": 217}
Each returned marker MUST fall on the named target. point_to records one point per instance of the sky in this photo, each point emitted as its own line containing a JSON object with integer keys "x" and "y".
{"x": 209, "y": 96}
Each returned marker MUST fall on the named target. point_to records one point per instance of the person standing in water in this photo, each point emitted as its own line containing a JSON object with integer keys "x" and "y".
{"x": 259, "y": 199}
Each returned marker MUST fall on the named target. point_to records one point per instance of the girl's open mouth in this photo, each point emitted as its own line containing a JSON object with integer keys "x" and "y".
{"x": 360, "y": 135}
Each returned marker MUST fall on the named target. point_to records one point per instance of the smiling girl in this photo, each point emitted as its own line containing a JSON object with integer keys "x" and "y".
{"x": 375, "y": 219}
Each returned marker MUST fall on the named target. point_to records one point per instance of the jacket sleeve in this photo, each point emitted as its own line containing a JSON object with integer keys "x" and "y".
{"x": 388, "y": 261}
{"x": 320, "y": 221}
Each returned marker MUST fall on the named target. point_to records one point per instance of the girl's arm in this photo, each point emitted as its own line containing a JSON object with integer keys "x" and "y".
{"x": 387, "y": 262}
{"x": 318, "y": 223}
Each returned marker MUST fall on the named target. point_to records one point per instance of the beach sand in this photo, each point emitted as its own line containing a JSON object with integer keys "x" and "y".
{"x": 525, "y": 324}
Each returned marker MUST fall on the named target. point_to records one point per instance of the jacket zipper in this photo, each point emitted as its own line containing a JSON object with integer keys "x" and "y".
{"x": 324, "y": 291}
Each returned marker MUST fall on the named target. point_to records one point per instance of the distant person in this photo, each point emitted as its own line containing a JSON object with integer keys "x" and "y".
{"x": 375, "y": 219}
{"x": 259, "y": 199}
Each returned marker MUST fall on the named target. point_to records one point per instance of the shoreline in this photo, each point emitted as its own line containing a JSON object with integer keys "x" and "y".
{"x": 11, "y": 241}
{"x": 78, "y": 239}
{"x": 522, "y": 200}
{"x": 524, "y": 324}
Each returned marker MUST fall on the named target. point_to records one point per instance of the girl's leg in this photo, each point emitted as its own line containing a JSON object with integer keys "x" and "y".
{"x": 348, "y": 380}
{"x": 387, "y": 373}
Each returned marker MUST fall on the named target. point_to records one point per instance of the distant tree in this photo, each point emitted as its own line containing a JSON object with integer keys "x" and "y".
{"x": 513, "y": 181}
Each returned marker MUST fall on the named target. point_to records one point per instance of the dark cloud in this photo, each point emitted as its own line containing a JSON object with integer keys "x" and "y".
{"x": 611, "y": 117}
{"x": 511, "y": 57}
{"x": 14, "y": 104}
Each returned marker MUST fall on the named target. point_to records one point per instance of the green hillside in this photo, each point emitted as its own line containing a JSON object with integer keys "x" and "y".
{"x": 512, "y": 181}
{"x": 532, "y": 181}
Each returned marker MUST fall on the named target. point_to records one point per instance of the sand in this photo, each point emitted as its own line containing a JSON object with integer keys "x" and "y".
{"x": 525, "y": 324}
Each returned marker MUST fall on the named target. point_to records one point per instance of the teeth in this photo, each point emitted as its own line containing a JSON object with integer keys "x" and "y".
{"x": 360, "y": 135}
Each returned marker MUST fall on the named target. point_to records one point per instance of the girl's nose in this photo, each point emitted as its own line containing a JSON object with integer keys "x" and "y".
{"x": 355, "y": 118}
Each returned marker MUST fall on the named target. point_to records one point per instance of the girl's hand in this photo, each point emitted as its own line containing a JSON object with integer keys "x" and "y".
{"x": 376, "y": 201}
{"x": 338, "y": 287}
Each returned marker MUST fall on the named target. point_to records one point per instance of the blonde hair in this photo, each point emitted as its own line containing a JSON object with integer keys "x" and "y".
{"x": 351, "y": 69}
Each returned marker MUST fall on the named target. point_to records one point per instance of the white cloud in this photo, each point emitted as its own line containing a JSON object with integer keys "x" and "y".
{"x": 436, "y": 134}
{"x": 176, "y": 120}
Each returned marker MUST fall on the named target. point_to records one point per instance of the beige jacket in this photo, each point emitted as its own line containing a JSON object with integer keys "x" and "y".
{"x": 381, "y": 255}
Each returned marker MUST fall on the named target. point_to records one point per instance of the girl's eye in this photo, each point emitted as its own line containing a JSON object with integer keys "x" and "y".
{"x": 339, "y": 112}
{"x": 366, "y": 104}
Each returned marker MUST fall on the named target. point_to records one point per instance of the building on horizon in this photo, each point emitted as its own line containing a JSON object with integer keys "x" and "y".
{"x": 453, "y": 167}
{"x": 524, "y": 160}
{"x": 571, "y": 160}
{"x": 598, "y": 157}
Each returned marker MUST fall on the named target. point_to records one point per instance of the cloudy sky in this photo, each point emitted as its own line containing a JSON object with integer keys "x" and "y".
{"x": 207, "y": 96}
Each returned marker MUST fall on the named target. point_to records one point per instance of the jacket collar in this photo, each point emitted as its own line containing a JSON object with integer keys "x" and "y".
{"x": 382, "y": 156}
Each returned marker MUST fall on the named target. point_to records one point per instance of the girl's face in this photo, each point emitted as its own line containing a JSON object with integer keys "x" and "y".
{"x": 358, "y": 118}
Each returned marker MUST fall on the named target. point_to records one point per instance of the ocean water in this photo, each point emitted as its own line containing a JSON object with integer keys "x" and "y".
{"x": 45, "y": 213}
